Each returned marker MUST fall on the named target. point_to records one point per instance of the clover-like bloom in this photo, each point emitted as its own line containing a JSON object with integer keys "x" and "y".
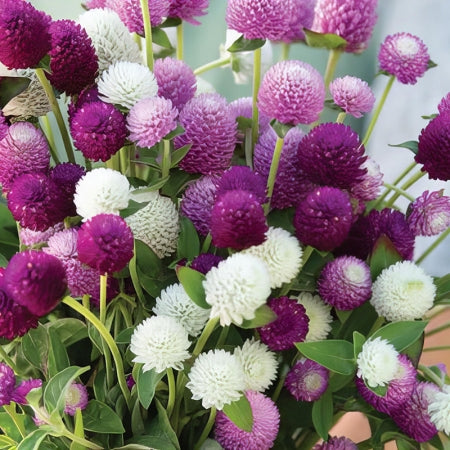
{"x": 369, "y": 187}
{"x": 76, "y": 397}
{"x": 204, "y": 262}
{"x": 337, "y": 443}
{"x": 29, "y": 237}
{"x": 160, "y": 342}
{"x": 319, "y": 315}
{"x": 242, "y": 107}
{"x": 188, "y": 9}
{"x": 9, "y": 392}
{"x": 444, "y": 104}
{"x": 439, "y": 409}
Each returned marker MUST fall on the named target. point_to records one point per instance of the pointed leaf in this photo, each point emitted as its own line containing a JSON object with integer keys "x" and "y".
{"x": 69, "y": 330}
{"x": 178, "y": 130}
{"x": 322, "y": 415}
{"x": 35, "y": 347}
{"x": 328, "y": 40}
{"x": 401, "y": 334}
{"x": 159, "y": 37}
{"x": 188, "y": 240}
{"x": 33, "y": 440}
{"x": 57, "y": 355}
{"x": 146, "y": 385}
{"x": 192, "y": 282}
{"x": 358, "y": 342}
{"x": 263, "y": 316}
{"x": 410, "y": 145}
{"x": 124, "y": 337}
{"x": 78, "y": 430}
{"x": 245, "y": 45}
{"x": 179, "y": 154}
{"x": 240, "y": 413}
{"x": 281, "y": 129}
{"x": 384, "y": 254}
{"x": 132, "y": 208}
{"x": 442, "y": 289}
{"x": 100, "y": 418}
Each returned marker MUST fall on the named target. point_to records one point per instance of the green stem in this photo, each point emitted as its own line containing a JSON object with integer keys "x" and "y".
{"x": 85, "y": 301}
{"x": 11, "y": 410}
{"x": 87, "y": 164}
{"x": 206, "y": 333}
{"x": 437, "y": 348}
{"x": 417, "y": 176}
{"x": 248, "y": 148}
{"x": 207, "y": 429}
{"x": 180, "y": 385}
{"x": 124, "y": 160}
{"x": 376, "y": 325}
{"x": 333, "y": 58}
{"x": 341, "y": 117}
{"x": 172, "y": 392}
{"x": 399, "y": 191}
{"x": 434, "y": 245}
{"x": 436, "y": 330}
{"x": 50, "y": 138}
{"x": 180, "y": 41}
{"x": 212, "y": 65}
{"x": 79, "y": 440}
{"x": 126, "y": 315}
{"x": 277, "y": 391}
{"x": 430, "y": 374}
{"x": 222, "y": 337}
{"x": 285, "y": 47}
{"x": 256, "y": 84}
{"x": 103, "y": 284}
{"x": 273, "y": 171}
{"x": 166, "y": 159}
{"x": 148, "y": 33}
{"x": 5, "y": 357}
{"x": 206, "y": 243}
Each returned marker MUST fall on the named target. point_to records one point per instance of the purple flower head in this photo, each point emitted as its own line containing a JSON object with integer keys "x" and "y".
{"x": 130, "y": 382}
{"x": 87, "y": 95}
{"x": 210, "y": 127}
{"x": 3, "y": 126}
{"x": 292, "y": 92}
{"x": 188, "y": 9}
{"x": 76, "y": 397}
{"x": 369, "y": 187}
{"x": 323, "y": 219}
{"x": 22, "y": 390}
{"x": 301, "y": 16}
{"x": 307, "y": 380}
{"x": 444, "y": 104}
{"x": 353, "y": 20}
{"x": 29, "y": 237}
{"x": 243, "y": 107}
{"x": 405, "y": 56}
{"x": 204, "y": 262}
{"x": 290, "y": 326}
{"x": 24, "y": 34}
{"x": 266, "y": 420}
{"x": 91, "y": 4}
{"x": 7, "y": 384}
{"x": 337, "y": 443}
{"x": 105, "y": 242}
{"x": 176, "y": 81}
{"x": 238, "y": 220}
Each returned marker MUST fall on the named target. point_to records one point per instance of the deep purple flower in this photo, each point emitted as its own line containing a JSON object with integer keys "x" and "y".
{"x": 87, "y": 95}
{"x": 130, "y": 381}
{"x": 76, "y": 397}
{"x": 204, "y": 262}
{"x": 188, "y": 9}
{"x": 444, "y": 104}
{"x": 7, "y": 384}
{"x": 337, "y": 443}
{"x": 22, "y": 390}
{"x": 301, "y": 16}
{"x": 3, "y": 126}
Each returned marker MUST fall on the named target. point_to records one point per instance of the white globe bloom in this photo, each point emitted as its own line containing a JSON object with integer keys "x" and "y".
{"x": 319, "y": 315}
{"x": 439, "y": 410}
{"x": 100, "y": 191}
{"x": 160, "y": 342}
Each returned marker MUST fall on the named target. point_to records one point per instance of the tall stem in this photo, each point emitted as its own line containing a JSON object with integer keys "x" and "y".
{"x": 285, "y": 47}
{"x": 166, "y": 159}
{"x": 103, "y": 284}
{"x": 430, "y": 374}
{"x": 417, "y": 176}
{"x": 212, "y": 65}
{"x": 273, "y": 171}
{"x": 45, "y": 122}
{"x": 341, "y": 117}
{"x": 207, "y": 429}
{"x": 333, "y": 58}
{"x": 172, "y": 391}
{"x": 180, "y": 41}
{"x": 256, "y": 84}
{"x": 206, "y": 333}
{"x": 148, "y": 33}
{"x": 433, "y": 246}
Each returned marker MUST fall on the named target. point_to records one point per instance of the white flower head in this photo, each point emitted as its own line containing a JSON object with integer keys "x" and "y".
{"x": 173, "y": 301}
{"x": 160, "y": 342}
{"x": 259, "y": 364}
{"x": 319, "y": 315}
{"x": 100, "y": 191}
{"x": 282, "y": 254}
{"x": 236, "y": 288}
{"x": 403, "y": 291}
{"x": 125, "y": 83}
{"x": 216, "y": 378}
{"x": 439, "y": 409}
{"x": 377, "y": 362}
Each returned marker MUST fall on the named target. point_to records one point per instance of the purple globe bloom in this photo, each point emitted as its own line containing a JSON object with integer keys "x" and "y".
{"x": 22, "y": 390}
{"x": 204, "y": 262}
{"x": 130, "y": 382}
{"x": 405, "y": 56}
{"x": 337, "y": 443}
{"x": 290, "y": 326}
{"x": 301, "y": 16}
{"x": 242, "y": 107}
{"x": 76, "y": 398}
{"x": 7, "y": 384}
{"x": 4, "y": 127}
{"x": 444, "y": 104}
{"x": 87, "y": 95}
{"x": 188, "y": 9}
{"x": 369, "y": 187}
{"x": 292, "y": 92}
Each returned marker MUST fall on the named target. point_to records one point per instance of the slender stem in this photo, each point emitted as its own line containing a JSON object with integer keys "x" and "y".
{"x": 124, "y": 160}
{"x": 180, "y": 385}
{"x": 333, "y": 58}
{"x": 85, "y": 301}
{"x": 256, "y": 84}
{"x": 166, "y": 159}
{"x": 430, "y": 374}
{"x": 207, "y": 429}
{"x": 126, "y": 315}
{"x": 341, "y": 117}
{"x": 277, "y": 391}
{"x": 437, "y": 348}
{"x": 206, "y": 243}
{"x": 180, "y": 41}
{"x": 273, "y": 171}
{"x": 417, "y": 176}
{"x": 5, "y": 357}
{"x": 436, "y": 330}
{"x": 103, "y": 284}
{"x": 172, "y": 392}
{"x": 79, "y": 440}
{"x": 433, "y": 246}
{"x": 206, "y": 333}
{"x": 45, "y": 122}
{"x": 212, "y": 65}
{"x": 248, "y": 148}
{"x": 222, "y": 337}
{"x": 87, "y": 164}
{"x": 399, "y": 191}
{"x": 11, "y": 410}
{"x": 285, "y": 47}
{"x": 148, "y": 33}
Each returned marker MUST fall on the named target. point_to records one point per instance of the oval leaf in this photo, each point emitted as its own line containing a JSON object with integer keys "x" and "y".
{"x": 192, "y": 282}
{"x": 263, "y": 316}
{"x": 245, "y": 45}
{"x": 322, "y": 415}
{"x": 384, "y": 254}
{"x": 327, "y": 40}
{"x": 401, "y": 334}
{"x": 410, "y": 145}
{"x": 146, "y": 385}
{"x": 33, "y": 440}
{"x": 100, "y": 418}
{"x": 188, "y": 241}
{"x": 240, "y": 413}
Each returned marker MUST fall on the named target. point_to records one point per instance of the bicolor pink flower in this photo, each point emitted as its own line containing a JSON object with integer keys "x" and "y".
{"x": 444, "y": 104}
{"x": 76, "y": 397}
{"x": 369, "y": 187}
{"x": 188, "y": 9}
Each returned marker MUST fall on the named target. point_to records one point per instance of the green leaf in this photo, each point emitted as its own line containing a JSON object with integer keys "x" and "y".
{"x": 159, "y": 37}
{"x": 401, "y": 334}
{"x": 146, "y": 258}
{"x": 161, "y": 430}
{"x": 178, "y": 181}
{"x": 244, "y": 123}
{"x": 78, "y": 430}
{"x": 431, "y": 64}
{"x": 6, "y": 442}
{"x": 69, "y": 330}
{"x": 137, "y": 422}
{"x": 132, "y": 208}
{"x": 33, "y": 440}
{"x": 146, "y": 383}
{"x": 442, "y": 289}
{"x": 240, "y": 413}
{"x": 328, "y": 40}
{"x": 436, "y": 442}
{"x": 95, "y": 337}
{"x": 192, "y": 282}
{"x": 358, "y": 342}
{"x": 8, "y": 426}
{"x": 176, "y": 132}
{"x": 322, "y": 415}
{"x": 100, "y": 418}
{"x": 35, "y": 347}
{"x": 281, "y": 129}
{"x": 9, "y": 241}
{"x": 263, "y": 316}
{"x": 384, "y": 254}
{"x": 410, "y": 145}
{"x": 179, "y": 154}
{"x": 10, "y": 87}
{"x": 3, "y": 261}
{"x": 171, "y": 22}
{"x": 245, "y": 45}
{"x": 57, "y": 354}
{"x": 124, "y": 337}
{"x": 99, "y": 385}
{"x": 188, "y": 240}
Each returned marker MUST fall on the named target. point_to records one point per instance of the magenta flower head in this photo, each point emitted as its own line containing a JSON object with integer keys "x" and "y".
{"x": 98, "y": 130}
{"x": 405, "y": 56}
{"x": 352, "y": 20}
{"x": 3, "y": 126}
{"x": 337, "y": 443}
{"x": 266, "y": 420}
{"x": 369, "y": 187}
{"x": 24, "y": 34}
{"x": 290, "y": 326}
{"x": 76, "y": 397}
{"x": 292, "y": 92}
{"x": 188, "y": 9}
{"x": 204, "y": 262}
{"x": 87, "y": 95}
{"x": 444, "y": 104}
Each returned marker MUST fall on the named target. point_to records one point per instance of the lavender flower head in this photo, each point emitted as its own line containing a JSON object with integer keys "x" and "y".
{"x": 187, "y": 10}
{"x": 242, "y": 107}
{"x": 337, "y": 443}
{"x": 29, "y": 237}
{"x": 301, "y": 16}
{"x": 76, "y": 397}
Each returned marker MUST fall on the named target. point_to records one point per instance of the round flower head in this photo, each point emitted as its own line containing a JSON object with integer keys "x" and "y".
{"x": 160, "y": 342}
{"x": 105, "y": 242}
{"x": 242, "y": 107}
{"x": 63, "y": 244}
{"x": 402, "y": 292}
{"x": 216, "y": 378}
{"x": 319, "y": 315}
{"x": 86, "y": 96}
{"x": 125, "y": 83}
{"x": 439, "y": 410}
{"x": 290, "y": 326}
{"x": 307, "y": 380}
{"x": 405, "y": 56}
{"x": 301, "y": 16}
{"x": 259, "y": 365}
{"x": 91, "y": 4}
{"x": 236, "y": 288}
{"x": 29, "y": 237}
{"x": 101, "y": 190}
{"x": 187, "y": 10}
{"x": 204, "y": 262}
{"x": 292, "y": 92}
{"x": 369, "y": 187}
{"x": 176, "y": 80}
{"x": 24, "y": 33}
{"x": 7, "y": 383}
{"x": 444, "y": 104}
{"x": 266, "y": 419}
{"x": 76, "y": 397}
{"x": 337, "y": 443}
{"x": 211, "y": 129}
{"x": 345, "y": 283}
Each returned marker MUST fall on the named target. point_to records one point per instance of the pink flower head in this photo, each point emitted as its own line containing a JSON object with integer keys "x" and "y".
{"x": 369, "y": 187}
{"x": 301, "y": 16}
{"x": 204, "y": 262}
{"x": 242, "y": 107}
{"x": 3, "y": 126}
{"x": 444, "y": 104}
{"x": 76, "y": 398}
{"x": 337, "y": 443}
{"x": 30, "y": 237}
{"x": 188, "y": 9}
{"x": 7, "y": 384}
{"x": 22, "y": 390}
{"x": 292, "y": 92}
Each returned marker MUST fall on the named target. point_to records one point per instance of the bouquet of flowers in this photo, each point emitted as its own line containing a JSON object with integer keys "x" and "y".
{"x": 182, "y": 271}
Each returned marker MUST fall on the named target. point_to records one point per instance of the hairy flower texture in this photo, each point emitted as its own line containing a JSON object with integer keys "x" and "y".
{"x": 405, "y": 56}
{"x": 24, "y": 149}
{"x": 211, "y": 129}
{"x": 337, "y": 443}
{"x": 259, "y": 364}
{"x": 345, "y": 283}
{"x": 63, "y": 244}
{"x": 369, "y": 187}
{"x": 444, "y": 104}
{"x": 292, "y": 92}
{"x": 125, "y": 83}
{"x": 216, "y": 378}
{"x": 353, "y": 20}
{"x": 187, "y": 10}
{"x": 439, "y": 410}
{"x": 266, "y": 420}
{"x": 236, "y": 288}
{"x": 3, "y": 126}
{"x": 76, "y": 397}
{"x": 173, "y": 301}
{"x": 290, "y": 326}
{"x": 160, "y": 342}
{"x": 29, "y": 237}
{"x": 86, "y": 96}
{"x": 242, "y": 107}
{"x": 24, "y": 33}
{"x": 22, "y": 390}
{"x": 204, "y": 262}
{"x": 301, "y": 16}
{"x": 307, "y": 380}
{"x": 110, "y": 37}
{"x": 319, "y": 315}
{"x": 7, "y": 383}
{"x": 101, "y": 190}
{"x": 402, "y": 292}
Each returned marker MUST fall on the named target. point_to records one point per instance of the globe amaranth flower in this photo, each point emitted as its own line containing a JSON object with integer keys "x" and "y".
{"x": 307, "y": 380}
{"x": 292, "y": 92}
{"x": 9, "y": 392}
{"x": 301, "y": 16}
{"x": 337, "y": 443}
{"x": 105, "y": 242}
{"x": 24, "y": 33}
{"x": 403, "y": 291}
{"x": 266, "y": 420}
{"x": 204, "y": 262}
{"x": 63, "y": 244}
{"x": 216, "y": 378}
{"x": 405, "y": 56}
{"x": 91, "y": 4}
{"x": 76, "y": 397}
{"x": 3, "y": 126}
{"x": 29, "y": 237}
{"x": 211, "y": 130}
{"x": 160, "y": 343}
{"x": 236, "y": 288}
{"x": 187, "y": 10}
{"x": 444, "y": 104}
{"x": 319, "y": 315}
{"x": 345, "y": 283}
{"x": 242, "y": 107}
{"x": 439, "y": 409}
{"x": 88, "y": 95}
{"x": 369, "y": 187}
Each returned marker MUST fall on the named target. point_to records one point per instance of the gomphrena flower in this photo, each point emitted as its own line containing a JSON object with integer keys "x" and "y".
{"x": 242, "y": 107}
{"x": 76, "y": 397}
{"x": 292, "y": 92}
{"x": 29, "y": 237}
{"x": 98, "y": 130}
{"x": 345, "y": 283}
{"x": 24, "y": 33}
{"x": 444, "y": 104}
{"x": 9, "y": 392}
{"x": 3, "y": 126}
{"x": 337, "y": 443}
{"x": 63, "y": 244}
{"x": 403, "y": 291}
{"x": 266, "y": 419}
{"x": 319, "y": 315}
{"x": 352, "y": 20}
{"x": 188, "y": 9}
{"x": 405, "y": 56}
{"x": 204, "y": 262}
{"x": 91, "y": 4}
{"x": 439, "y": 409}
{"x": 105, "y": 242}
{"x": 88, "y": 95}
{"x": 307, "y": 380}
{"x": 216, "y": 378}
{"x": 369, "y": 187}
{"x": 301, "y": 16}
{"x": 236, "y": 288}
{"x": 290, "y": 326}
{"x": 160, "y": 342}
{"x": 211, "y": 129}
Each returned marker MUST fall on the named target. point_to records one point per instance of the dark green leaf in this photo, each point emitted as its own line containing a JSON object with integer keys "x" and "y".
{"x": 384, "y": 254}
{"x": 57, "y": 354}
{"x": 414, "y": 351}
{"x": 322, "y": 415}
{"x": 240, "y": 413}
{"x": 178, "y": 130}
{"x": 178, "y": 181}
{"x": 401, "y": 334}
{"x": 244, "y": 123}
{"x": 338, "y": 381}
{"x": 9, "y": 241}
{"x": 69, "y": 330}
{"x": 146, "y": 383}
{"x": 188, "y": 240}
{"x": 358, "y": 342}
{"x": 35, "y": 347}
{"x": 170, "y": 22}
{"x": 378, "y": 390}
{"x": 281, "y": 129}
{"x": 95, "y": 337}
{"x": 161, "y": 429}
{"x": 33, "y": 440}
{"x": 405, "y": 444}
{"x": 436, "y": 442}
{"x": 245, "y": 45}
{"x": 179, "y": 154}
{"x": 159, "y": 37}
{"x": 430, "y": 116}
{"x": 147, "y": 260}
{"x": 328, "y": 40}
{"x": 411, "y": 145}
{"x": 263, "y": 316}
{"x": 100, "y": 418}
{"x": 124, "y": 337}
{"x": 442, "y": 289}
{"x": 431, "y": 64}
{"x": 8, "y": 426}
{"x": 132, "y": 208}
{"x": 3, "y": 261}
{"x": 137, "y": 422}
{"x": 192, "y": 282}
{"x": 10, "y": 87}
{"x": 157, "y": 184}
